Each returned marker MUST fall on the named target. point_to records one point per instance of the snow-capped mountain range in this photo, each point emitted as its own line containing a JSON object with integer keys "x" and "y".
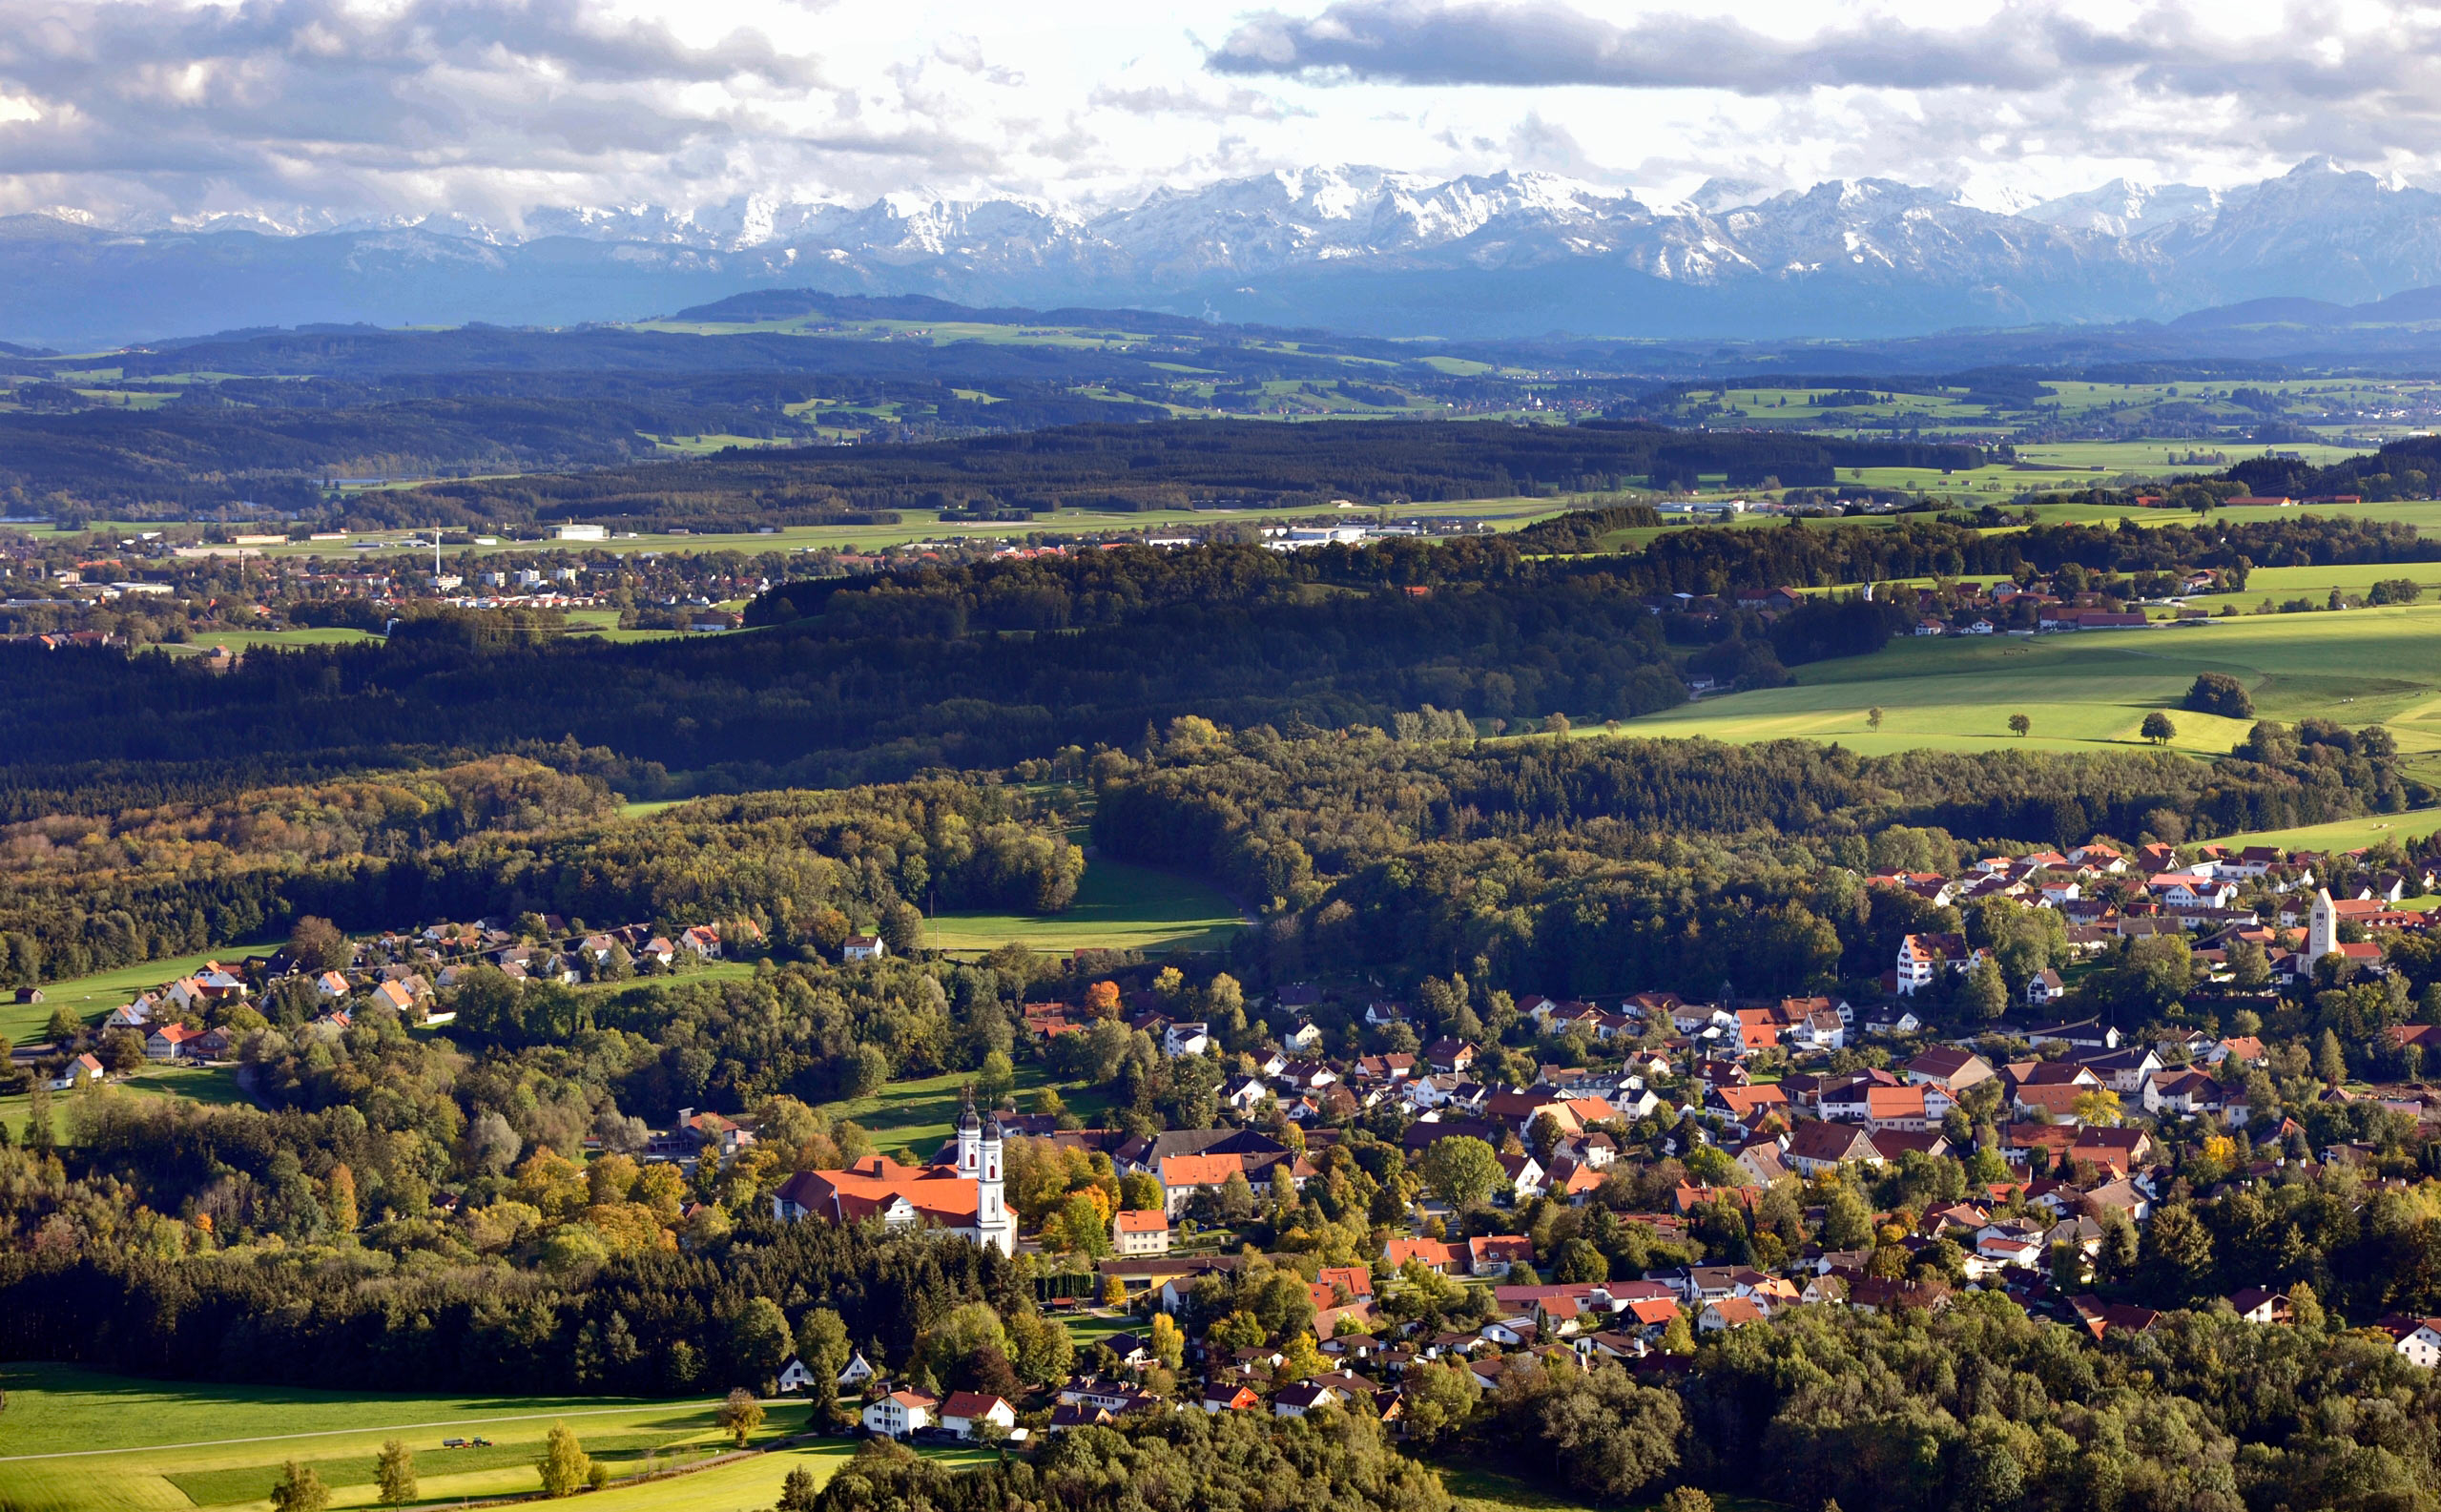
{"x": 1361, "y": 249}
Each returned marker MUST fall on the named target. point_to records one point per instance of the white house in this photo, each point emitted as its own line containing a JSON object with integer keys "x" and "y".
{"x": 1305, "y": 1397}
{"x": 84, "y": 1069}
{"x": 1243, "y": 1093}
{"x": 2420, "y": 1343}
{"x": 1186, "y": 1039}
{"x": 972, "y": 1414}
{"x": 864, "y": 947}
{"x": 1140, "y": 1231}
{"x": 795, "y": 1376}
{"x": 169, "y": 1042}
{"x": 899, "y": 1414}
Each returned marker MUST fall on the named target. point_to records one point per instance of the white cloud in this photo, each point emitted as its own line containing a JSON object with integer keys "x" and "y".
{"x": 328, "y": 109}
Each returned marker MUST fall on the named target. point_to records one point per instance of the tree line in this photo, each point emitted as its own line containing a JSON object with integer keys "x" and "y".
{"x": 505, "y": 838}
{"x": 1556, "y": 865}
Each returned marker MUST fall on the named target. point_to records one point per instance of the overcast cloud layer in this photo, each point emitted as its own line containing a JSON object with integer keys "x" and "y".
{"x": 322, "y": 110}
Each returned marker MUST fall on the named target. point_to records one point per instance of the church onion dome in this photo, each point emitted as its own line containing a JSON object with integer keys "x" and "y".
{"x": 966, "y": 1119}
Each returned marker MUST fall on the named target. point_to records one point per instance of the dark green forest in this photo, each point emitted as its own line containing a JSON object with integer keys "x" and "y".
{"x": 1616, "y": 866}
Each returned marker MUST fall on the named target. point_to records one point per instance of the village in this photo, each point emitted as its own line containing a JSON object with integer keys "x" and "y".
{"x": 1743, "y": 1142}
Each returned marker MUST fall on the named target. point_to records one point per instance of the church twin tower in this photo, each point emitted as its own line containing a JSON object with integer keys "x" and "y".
{"x": 979, "y": 1159}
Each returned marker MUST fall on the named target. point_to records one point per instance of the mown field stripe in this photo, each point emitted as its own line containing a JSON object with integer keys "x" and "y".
{"x": 336, "y": 1433}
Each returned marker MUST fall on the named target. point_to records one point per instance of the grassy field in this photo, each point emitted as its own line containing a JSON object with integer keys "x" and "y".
{"x": 2347, "y": 835}
{"x": 2280, "y": 583}
{"x": 2092, "y": 690}
{"x": 747, "y": 1485}
{"x": 1472, "y": 1488}
{"x": 74, "y": 1440}
{"x": 241, "y": 640}
{"x": 91, "y": 997}
{"x": 213, "y": 1085}
{"x": 1117, "y": 907}
{"x": 919, "y": 1116}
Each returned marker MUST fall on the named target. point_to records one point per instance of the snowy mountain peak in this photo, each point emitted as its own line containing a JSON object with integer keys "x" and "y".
{"x": 2124, "y": 207}
{"x": 1352, "y": 246}
{"x": 1719, "y": 196}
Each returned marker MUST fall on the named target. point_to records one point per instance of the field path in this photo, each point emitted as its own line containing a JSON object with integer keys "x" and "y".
{"x": 341, "y": 1433}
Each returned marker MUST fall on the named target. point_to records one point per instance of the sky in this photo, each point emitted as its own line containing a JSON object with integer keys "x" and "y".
{"x": 319, "y": 112}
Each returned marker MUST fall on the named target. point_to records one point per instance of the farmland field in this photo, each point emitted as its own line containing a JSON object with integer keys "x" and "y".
{"x": 2347, "y": 835}
{"x": 72, "y": 1439}
{"x": 93, "y": 996}
{"x": 1473, "y": 1488}
{"x": 2091, "y": 690}
{"x": 247, "y": 639}
{"x": 1117, "y": 907}
{"x": 918, "y": 1115}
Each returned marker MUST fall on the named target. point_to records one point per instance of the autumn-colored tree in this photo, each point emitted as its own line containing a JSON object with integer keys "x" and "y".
{"x": 299, "y": 1489}
{"x": 565, "y": 1466}
{"x": 1169, "y": 1344}
{"x": 1300, "y": 1357}
{"x": 341, "y": 1199}
{"x": 740, "y": 1415}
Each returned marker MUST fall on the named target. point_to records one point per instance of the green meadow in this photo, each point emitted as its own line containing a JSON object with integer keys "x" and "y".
{"x": 91, "y": 997}
{"x": 918, "y": 1116}
{"x": 1117, "y": 907}
{"x": 72, "y": 1439}
{"x": 2092, "y": 690}
{"x": 2347, "y": 835}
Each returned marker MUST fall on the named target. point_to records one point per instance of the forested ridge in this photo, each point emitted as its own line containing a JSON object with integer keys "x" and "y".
{"x": 500, "y": 838}
{"x": 900, "y": 677}
{"x": 2408, "y": 467}
{"x": 985, "y": 665}
{"x": 1686, "y": 560}
{"x": 1621, "y": 864}
{"x": 1176, "y": 464}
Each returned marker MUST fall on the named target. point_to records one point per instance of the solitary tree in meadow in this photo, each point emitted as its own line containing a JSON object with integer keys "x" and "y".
{"x": 741, "y": 1415}
{"x": 2158, "y": 728}
{"x": 1874, "y": 718}
{"x": 299, "y": 1489}
{"x": 394, "y": 1472}
{"x": 565, "y": 1466}
{"x": 2020, "y": 725}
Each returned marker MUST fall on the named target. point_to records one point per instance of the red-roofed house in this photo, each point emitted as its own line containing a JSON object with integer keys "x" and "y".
{"x": 972, "y": 1414}
{"x": 899, "y": 1414}
{"x": 1183, "y": 1177}
{"x": 1436, "y": 1255}
{"x": 1494, "y": 1254}
{"x": 170, "y": 1042}
{"x": 1137, "y": 1230}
